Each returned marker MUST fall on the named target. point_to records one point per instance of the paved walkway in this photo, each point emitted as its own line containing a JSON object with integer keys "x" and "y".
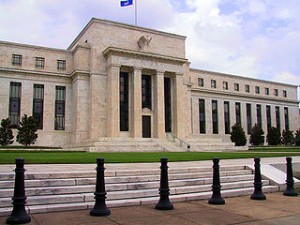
{"x": 276, "y": 210}
{"x": 136, "y": 166}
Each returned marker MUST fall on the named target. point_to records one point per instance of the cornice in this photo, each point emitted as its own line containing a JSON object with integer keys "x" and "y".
{"x": 120, "y": 51}
{"x": 43, "y": 73}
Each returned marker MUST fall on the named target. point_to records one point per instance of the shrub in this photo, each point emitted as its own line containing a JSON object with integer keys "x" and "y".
{"x": 274, "y": 136}
{"x": 27, "y": 131}
{"x": 257, "y": 136}
{"x": 237, "y": 135}
{"x": 297, "y": 137}
{"x": 287, "y": 137}
{"x": 6, "y": 134}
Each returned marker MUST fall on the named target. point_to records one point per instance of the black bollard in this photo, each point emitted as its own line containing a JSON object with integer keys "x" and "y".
{"x": 164, "y": 191}
{"x": 257, "y": 194}
{"x": 19, "y": 214}
{"x": 216, "y": 198}
{"x": 100, "y": 208}
{"x": 289, "y": 191}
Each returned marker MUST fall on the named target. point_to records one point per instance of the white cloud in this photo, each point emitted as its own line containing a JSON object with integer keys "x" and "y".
{"x": 250, "y": 38}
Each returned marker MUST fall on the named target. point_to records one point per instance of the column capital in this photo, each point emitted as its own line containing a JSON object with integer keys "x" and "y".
{"x": 137, "y": 68}
{"x": 160, "y": 72}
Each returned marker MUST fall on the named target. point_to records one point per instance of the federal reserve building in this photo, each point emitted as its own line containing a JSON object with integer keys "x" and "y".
{"x": 119, "y": 87}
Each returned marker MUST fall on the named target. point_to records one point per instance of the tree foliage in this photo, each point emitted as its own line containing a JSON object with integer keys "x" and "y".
{"x": 6, "y": 134}
{"x": 27, "y": 131}
{"x": 297, "y": 137}
{"x": 237, "y": 135}
{"x": 257, "y": 136}
{"x": 274, "y": 136}
{"x": 287, "y": 137}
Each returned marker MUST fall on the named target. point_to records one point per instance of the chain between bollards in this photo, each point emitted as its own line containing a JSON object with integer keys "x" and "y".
{"x": 100, "y": 208}
{"x": 216, "y": 198}
{"x": 164, "y": 191}
{"x": 289, "y": 191}
{"x": 258, "y": 193}
{"x": 19, "y": 214}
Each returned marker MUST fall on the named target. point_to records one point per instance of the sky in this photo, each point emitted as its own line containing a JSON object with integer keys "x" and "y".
{"x": 252, "y": 38}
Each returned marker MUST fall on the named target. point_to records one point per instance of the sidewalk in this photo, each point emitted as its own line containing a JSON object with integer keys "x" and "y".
{"x": 276, "y": 210}
{"x": 135, "y": 166}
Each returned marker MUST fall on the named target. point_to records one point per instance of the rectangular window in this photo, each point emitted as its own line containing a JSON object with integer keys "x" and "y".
{"x": 38, "y": 104}
{"x": 269, "y": 119}
{"x": 236, "y": 87}
{"x": 61, "y": 64}
{"x": 39, "y": 62}
{"x": 276, "y": 92}
{"x": 258, "y": 115}
{"x": 146, "y": 92}
{"x": 257, "y": 90}
{"x": 277, "y": 111}
{"x": 168, "y": 106}
{"x": 14, "y": 104}
{"x": 227, "y": 117}
{"x": 16, "y": 60}
{"x": 238, "y": 113}
{"x": 267, "y": 91}
{"x": 202, "y": 116}
{"x": 284, "y": 93}
{"x": 124, "y": 102}
{"x": 215, "y": 116}
{"x": 200, "y": 82}
{"x": 247, "y": 88}
{"x": 249, "y": 117}
{"x": 286, "y": 118}
{"x": 213, "y": 83}
{"x": 60, "y": 101}
{"x": 225, "y": 85}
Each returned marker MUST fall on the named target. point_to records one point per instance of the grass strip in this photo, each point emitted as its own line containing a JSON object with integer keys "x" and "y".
{"x": 60, "y": 157}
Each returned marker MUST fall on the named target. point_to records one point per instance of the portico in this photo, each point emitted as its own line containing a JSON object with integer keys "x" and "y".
{"x": 143, "y": 91}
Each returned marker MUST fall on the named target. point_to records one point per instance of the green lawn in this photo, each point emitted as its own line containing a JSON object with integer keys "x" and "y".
{"x": 60, "y": 157}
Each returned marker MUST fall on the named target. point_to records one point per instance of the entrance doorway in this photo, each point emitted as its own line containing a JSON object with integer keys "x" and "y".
{"x": 146, "y": 123}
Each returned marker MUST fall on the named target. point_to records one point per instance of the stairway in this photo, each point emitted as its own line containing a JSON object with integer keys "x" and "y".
{"x": 212, "y": 144}
{"x": 64, "y": 191}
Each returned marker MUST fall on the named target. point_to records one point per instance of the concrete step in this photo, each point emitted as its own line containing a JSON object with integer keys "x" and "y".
{"x": 59, "y": 181}
{"x": 60, "y": 191}
{"x": 5, "y": 211}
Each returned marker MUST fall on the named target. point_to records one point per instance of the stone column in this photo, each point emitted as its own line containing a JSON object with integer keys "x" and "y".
{"x": 179, "y": 120}
{"x": 264, "y": 120}
{"x": 113, "y": 101}
{"x": 137, "y": 103}
{"x": 221, "y": 119}
{"x": 159, "y": 105}
{"x": 208, "y": 115}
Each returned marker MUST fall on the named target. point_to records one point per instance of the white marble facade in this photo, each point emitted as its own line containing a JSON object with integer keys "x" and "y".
{"x": 94, "y": 61}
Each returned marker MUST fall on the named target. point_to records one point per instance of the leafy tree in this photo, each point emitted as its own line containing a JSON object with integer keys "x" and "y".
{"x": 237, "y": 135}
{"x": 297, "y": 137}
{"x": 27, "y": 131}
{"x": 6, "y": 134}
{"x": 287, "y": 137}
{"x": 257, "y": 135}
{"x": 274, "y": 136}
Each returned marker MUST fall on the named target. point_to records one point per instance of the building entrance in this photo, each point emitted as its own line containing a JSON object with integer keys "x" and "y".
{"x": 146, "y": 123}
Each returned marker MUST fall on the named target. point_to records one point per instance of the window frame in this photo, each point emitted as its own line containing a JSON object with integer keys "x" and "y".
{"x": 61, "y": 64}
{"x": 16, "y": 60}
{"x": 39, "y": 62}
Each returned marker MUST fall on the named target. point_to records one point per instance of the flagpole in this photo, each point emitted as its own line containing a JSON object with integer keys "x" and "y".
{"x": 135, "y": 7}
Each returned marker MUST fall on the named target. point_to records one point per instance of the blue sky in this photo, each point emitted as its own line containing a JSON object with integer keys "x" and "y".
{"x": 257, "y": 38}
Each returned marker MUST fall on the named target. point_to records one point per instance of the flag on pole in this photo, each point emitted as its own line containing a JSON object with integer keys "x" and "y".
{"x": 124, "y": 3}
